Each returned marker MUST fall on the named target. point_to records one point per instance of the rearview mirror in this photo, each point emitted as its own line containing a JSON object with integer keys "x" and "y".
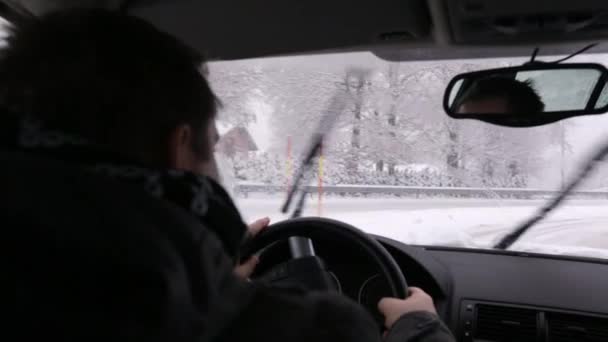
{"x": 528, "y": 95}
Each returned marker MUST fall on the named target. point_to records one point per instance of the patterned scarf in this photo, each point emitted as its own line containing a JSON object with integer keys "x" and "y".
{"x": 199, "y": 195}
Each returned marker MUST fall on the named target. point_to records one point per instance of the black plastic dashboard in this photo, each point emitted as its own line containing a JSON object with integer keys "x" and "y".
{"x": 484, "y": 295}
{"x": 489, "y": 294}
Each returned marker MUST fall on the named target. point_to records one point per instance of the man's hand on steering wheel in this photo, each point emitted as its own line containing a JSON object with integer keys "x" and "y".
{"x": 393, "y": 308}
{"x": 246, "y": 268}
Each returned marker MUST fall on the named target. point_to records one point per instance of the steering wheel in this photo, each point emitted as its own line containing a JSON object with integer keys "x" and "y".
{"x": 323, "y": 228}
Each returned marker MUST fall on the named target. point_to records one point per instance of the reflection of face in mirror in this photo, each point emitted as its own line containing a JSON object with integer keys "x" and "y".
{"x": 500, "y": 95}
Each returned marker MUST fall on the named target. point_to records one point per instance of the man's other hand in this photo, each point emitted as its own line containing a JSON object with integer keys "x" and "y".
{"x": 393, "y": 308}
{"x": 245, "y": 269}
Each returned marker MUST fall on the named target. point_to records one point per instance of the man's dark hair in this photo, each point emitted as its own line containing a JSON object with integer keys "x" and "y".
{"x": 520, "y": 96}
{"x": 112, "y": 79}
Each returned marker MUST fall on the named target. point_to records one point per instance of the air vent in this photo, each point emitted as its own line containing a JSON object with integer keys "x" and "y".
{"x": 569, "y": 328}
{"x": 505, "y": 324}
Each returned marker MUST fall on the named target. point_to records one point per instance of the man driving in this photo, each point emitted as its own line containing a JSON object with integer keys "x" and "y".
{"x": 109, "y": 127}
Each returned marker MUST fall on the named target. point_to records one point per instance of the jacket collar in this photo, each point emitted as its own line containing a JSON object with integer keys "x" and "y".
{"x": 197, "y": 194}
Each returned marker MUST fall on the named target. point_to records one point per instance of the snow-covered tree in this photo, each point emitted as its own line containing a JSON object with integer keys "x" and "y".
{"x": 388, "y": 119}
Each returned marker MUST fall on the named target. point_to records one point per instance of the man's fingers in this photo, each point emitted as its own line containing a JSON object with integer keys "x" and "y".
{"x": 387, "y": 306}
{"x": 245, "y": 269}
{"x": 386, "y": 303}
{"x": 393, "y": 308}
{"x": 414, "y": 290}
{"x": 258, "y": 226}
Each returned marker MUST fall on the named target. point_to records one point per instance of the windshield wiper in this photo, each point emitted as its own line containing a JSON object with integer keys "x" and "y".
{"x": 301, "y": 247}
{"x": 512, "y": 237}
{"x": 307, "y": 164}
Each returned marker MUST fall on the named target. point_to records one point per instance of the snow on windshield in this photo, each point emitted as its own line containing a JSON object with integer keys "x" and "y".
{"x": 394, "y": 164}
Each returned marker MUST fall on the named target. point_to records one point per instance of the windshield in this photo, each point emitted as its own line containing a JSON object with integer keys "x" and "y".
{"x": 395, "y": 165}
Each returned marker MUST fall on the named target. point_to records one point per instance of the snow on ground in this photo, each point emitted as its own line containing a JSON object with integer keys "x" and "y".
{"x": 580, "y": 227}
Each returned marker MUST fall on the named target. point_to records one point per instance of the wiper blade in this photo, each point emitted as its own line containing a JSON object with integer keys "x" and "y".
{"x": 307, "y": 164}
{"x": 303, "y": 247}
{"x": 512, "y": 237}
{"x": 335, "y": 108}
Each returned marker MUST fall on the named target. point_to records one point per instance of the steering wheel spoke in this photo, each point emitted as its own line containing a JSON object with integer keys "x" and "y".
{"x": 301, "y": 247}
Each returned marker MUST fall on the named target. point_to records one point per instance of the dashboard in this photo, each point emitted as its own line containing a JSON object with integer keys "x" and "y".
{"x": 481, "y": 295}
{"x": 490, "y": 295}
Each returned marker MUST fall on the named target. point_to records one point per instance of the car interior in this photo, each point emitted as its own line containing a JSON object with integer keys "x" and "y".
{"x": 481, "y": 294}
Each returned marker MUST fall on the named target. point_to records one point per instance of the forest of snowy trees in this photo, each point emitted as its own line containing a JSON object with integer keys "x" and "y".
{"x": 391, "y": 129}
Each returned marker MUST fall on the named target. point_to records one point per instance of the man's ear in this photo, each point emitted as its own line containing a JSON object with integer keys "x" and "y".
{"x": 180, "y": 146}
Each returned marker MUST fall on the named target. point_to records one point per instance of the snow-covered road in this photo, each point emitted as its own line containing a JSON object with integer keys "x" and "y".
{"x": 580, "y": 227}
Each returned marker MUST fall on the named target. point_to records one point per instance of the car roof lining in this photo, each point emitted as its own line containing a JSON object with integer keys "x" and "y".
{"x": 394, "y": 30}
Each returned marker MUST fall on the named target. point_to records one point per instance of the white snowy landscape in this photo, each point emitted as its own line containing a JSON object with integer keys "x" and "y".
{"x": 579, "y": 228}
{"x": 391, "y": 131}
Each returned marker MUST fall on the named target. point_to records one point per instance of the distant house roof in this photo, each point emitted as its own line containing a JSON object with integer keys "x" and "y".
{"x": 236, "y": 140}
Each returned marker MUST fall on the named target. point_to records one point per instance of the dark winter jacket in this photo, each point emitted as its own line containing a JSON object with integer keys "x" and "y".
{"x": 103, "y": 251}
